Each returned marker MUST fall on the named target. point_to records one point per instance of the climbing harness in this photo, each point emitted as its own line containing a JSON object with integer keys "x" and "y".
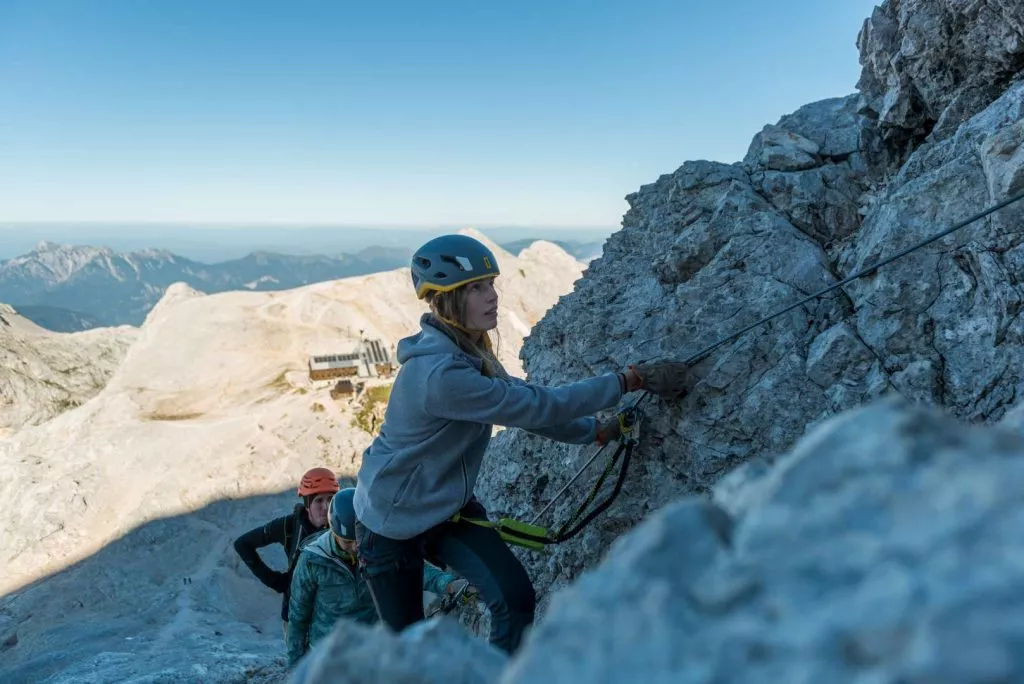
{"x": 532, "y": 536}
{"x": 536, "y": 538}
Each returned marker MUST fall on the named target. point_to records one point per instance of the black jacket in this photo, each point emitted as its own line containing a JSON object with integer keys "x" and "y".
{"x": 288, "y": 531}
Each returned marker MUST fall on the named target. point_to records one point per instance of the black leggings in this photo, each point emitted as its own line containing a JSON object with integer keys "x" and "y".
{"x": 394, "y": 570}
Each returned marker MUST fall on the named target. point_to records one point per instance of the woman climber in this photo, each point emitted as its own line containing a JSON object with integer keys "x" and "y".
{"x": 422, "y": 467}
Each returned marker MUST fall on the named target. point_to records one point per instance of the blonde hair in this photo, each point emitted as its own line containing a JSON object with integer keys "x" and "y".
{"x": 449, "y": 308}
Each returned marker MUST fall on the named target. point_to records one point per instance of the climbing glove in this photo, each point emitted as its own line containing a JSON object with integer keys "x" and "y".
{"x": 667, "y": 379}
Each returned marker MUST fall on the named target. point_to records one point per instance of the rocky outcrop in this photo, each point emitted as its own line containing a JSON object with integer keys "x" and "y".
{"x": 711, "y": 248}
{"x": 882, "y": 548}
{"x": 43, "y": 374}
{"x": 930, "y": 65}
{"x": 811, "y": 167}
{"x": 438, "y": 651}
{"x": 705, "y": 254}
{"x": 856, "y": 557}
{"x": 944, "y": 321}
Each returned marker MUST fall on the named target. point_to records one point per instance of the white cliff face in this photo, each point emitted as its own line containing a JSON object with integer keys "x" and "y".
{"x": 120, "y": 513}
{"x": 43, "y": 374}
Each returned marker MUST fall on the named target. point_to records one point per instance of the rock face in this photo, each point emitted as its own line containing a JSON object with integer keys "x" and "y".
{"x": 882, "y": 548}
{"x": 929, "y": 65}
{"x": 437, "y": 651}
{"x": 811, "y": 168}
{"x": 944, "y": 320}
{"x": 43, "y": 374}
{"x": 859, "y": 557}
{"x": 711, "y": 248}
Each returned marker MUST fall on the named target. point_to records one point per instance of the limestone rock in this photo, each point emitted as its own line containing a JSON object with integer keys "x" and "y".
{"x": 944, "y": 320}
{"x": 436, "y": 651}
{"x": 711, "y": 248}
{"x": 820, "y": 196}
{"x": 881, "y": 549}
{"x": 43, "y": 374}
{"x": 929, "y": 65}
{"x": 782, "y": 150}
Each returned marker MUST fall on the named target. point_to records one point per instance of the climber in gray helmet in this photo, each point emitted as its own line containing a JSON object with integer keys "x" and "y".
{"x": 327, "y": 584}
{"x": 421, "y": 469}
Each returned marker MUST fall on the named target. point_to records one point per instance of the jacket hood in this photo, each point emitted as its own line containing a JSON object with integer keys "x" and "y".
{"x": 324, "y": 546}
{"x": 430, "y": 340}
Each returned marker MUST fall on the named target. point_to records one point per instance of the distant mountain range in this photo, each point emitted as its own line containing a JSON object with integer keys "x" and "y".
{"x": 69, "y": 288}
{"x": 582, "y": 251}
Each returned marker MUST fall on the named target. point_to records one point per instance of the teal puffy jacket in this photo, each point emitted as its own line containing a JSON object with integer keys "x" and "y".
{"x": 326, "y": 588}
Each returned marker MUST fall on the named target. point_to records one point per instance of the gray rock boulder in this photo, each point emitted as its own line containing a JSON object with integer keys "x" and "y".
{"x": 782, "y": 150}
{"x": 437, "y": 651}
{"x": 711, "y": 248}
{"x": 944, "y": 320}
{"x": 929, "y": 65}
{"x": 812, "y": 167}
{"x": 883, "y": 549}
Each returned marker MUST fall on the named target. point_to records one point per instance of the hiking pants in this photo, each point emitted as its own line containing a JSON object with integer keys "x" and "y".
{"x": 394, "y": 570}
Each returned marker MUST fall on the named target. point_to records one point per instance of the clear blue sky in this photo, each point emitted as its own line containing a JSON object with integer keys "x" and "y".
{"x": 460, "y": 112}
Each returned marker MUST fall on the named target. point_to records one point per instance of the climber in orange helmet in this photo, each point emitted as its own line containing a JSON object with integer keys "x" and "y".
{"x": 316, "y": 488}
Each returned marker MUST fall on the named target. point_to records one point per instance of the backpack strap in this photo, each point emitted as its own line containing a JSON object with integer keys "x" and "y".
{"x": 293, "y": 537}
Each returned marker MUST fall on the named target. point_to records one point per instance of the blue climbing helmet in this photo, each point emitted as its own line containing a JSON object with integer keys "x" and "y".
{"x": 448, "y": 261}
{"x": 341, "y": 516}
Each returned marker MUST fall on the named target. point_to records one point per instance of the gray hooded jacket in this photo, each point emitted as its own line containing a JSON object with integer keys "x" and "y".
{"x": 422, "y": 467}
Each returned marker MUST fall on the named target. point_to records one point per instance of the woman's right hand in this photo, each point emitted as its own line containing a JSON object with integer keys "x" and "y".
{"x": 667, "y": 379}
